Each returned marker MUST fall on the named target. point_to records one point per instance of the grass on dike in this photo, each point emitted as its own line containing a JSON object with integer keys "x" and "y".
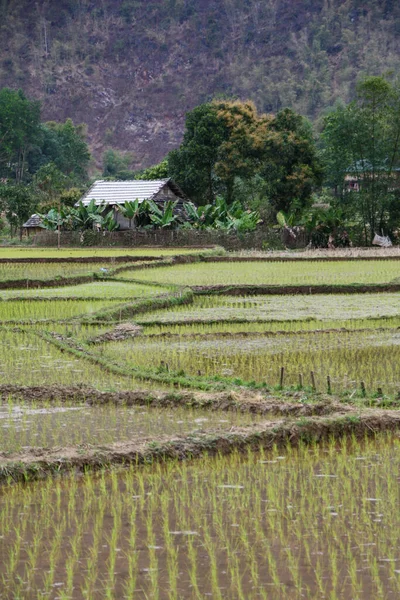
{"x": 313, "y": 522}
{"x": 267, "y": 273}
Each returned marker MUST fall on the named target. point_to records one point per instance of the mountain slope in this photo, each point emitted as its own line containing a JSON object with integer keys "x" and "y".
{"x": 131, "y": 69}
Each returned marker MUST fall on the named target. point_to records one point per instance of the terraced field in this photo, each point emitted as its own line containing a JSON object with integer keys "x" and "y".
{"x": 274, "y": 273}
{"x": 288, "y": 401}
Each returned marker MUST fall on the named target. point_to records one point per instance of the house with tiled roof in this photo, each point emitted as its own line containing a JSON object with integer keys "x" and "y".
{"x": 116, "y": 193}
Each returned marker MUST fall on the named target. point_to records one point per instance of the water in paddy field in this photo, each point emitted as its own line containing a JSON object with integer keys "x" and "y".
{"x": 347, "y": 357}
{"x": 314, "y": 522}
{"x": 23, "y": 427}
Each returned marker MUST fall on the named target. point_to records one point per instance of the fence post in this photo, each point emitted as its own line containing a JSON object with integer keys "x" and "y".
{"x": 282, "y": 377}
{"x": 314, "y": 387}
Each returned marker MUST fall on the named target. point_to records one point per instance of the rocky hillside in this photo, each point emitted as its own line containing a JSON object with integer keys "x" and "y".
{"x": 130, "y": 69}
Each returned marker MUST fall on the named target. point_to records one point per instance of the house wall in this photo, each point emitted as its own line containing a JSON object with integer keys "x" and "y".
{"x": 122, "y": 221}
{"x": 166, "y": 194}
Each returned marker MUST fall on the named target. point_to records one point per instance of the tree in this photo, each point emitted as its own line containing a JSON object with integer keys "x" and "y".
{"x": 220, "y": 215}
{"x": 228, "y": 141}
{"x": 50, "y": 181}
{"x": 85, "y": 217}
{"x": 159, "y": 171}
{"x": 193, "y": 164}
{"x": 362, "y": 139}
{"x": 116, "y": 165}
{"x": 18, "y": 202}
{"x": 66, "y": 147}
{"x": 291, "y": 166}
{"x": 223, "y": 140}
{"x": 19, "y": 132}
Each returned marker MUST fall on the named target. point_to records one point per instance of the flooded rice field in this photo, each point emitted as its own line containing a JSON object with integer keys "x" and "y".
{"x": 348, "y": 357}
{"x": 23, "y": 427}
{"x": 314, "y": 522}
{"x": 332, "y": 307}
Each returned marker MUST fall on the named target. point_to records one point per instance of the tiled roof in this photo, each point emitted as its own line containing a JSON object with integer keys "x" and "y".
{"x": 119, "y": 192}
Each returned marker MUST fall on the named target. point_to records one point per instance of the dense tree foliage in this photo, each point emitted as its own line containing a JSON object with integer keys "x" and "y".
{"x": 227, "y": 141}
{"x": 26, "y": 144}
{"x": 38, "y": 161}
{"x": 361, "y": 142}
{"x": 19, "y": 132}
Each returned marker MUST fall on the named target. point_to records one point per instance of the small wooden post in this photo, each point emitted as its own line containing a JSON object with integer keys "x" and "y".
{"x": 363, "y": 388}
{"x": 328, "y": 382}
{"x": 301, "y": 380}
{"x": 314, "y": 387}
{"x": 282, "y": 377}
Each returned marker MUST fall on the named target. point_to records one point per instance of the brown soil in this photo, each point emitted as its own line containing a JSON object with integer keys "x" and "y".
{"x": 122, "y": 331}
{"x": 37, "y": 463}
{"x": 292, "y": 404}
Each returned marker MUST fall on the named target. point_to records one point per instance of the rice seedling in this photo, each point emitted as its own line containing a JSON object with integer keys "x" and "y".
{"x": 231, "y": 327}
{"x": 327, "y": 308}
{"x": 272, "y": 273}
{"x": 312, "y": 522}
{"x": 26, "y": 359}
{"x": 20, "y": 310}
{"x": 115, "y": 290}
{"x": 45, "y": 425}
{"x": 318, "y": 253}
{"x": 35, "y": 253}
{"x": 347, "y": 357}
{"x": 47, "y": 271}
{"x": 315, "y": 522}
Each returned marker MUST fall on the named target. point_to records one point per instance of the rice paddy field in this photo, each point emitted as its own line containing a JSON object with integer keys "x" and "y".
{"x": 43, "y": 253}
{"x": 274, "y": 273}
{"x": 313, "y": 522}
{"x": 29, "y": 360}
{"x": 39, "y": 425}
{"x": 50, "y": 271}
{"x": 163, "y": 440}
{"x": 284, "y": 309}
{"x": 116, "y": 290}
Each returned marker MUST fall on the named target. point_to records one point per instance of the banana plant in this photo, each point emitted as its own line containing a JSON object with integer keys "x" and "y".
{"x": 85, "y": 217}
{"x": 132, "y": 210}
{"x": 200, "y": 217}
{"x": 52, "y": 219}
{"x": 165, "y": 217}
{"x": 109, "y": 223}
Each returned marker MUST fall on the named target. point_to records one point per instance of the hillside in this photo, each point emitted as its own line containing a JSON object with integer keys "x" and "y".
{"x": 131, "y": 69}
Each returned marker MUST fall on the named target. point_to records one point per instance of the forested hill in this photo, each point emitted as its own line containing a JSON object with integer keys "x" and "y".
{"x": 131, "y": 69}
